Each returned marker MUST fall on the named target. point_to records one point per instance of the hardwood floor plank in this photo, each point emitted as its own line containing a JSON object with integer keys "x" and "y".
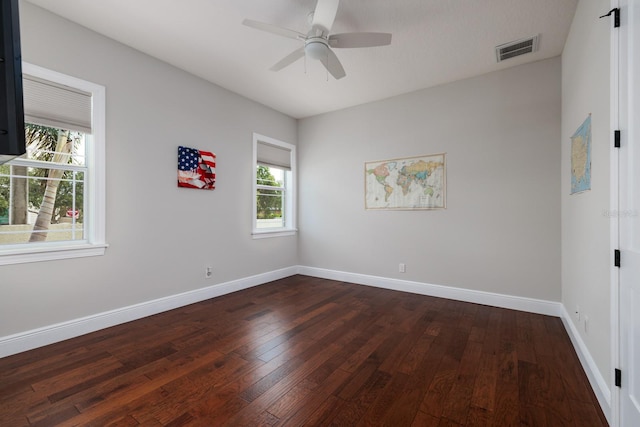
{"x": 524, "y": 343}
{"x": 585, "y": 414}
{"x": 56, "y": 417}
{"x": 459, "y": 397}
{"x": 33, "y": 367}
{"x": 72, "y": 376}
{"x": 436, "y": 395}
{"x": 288, "y": 403}
{"x": 480, "y": 417}
{"x": 325, "y": 413}
{"x": 533, "y": 383}
{"x": 507, "y": 391}
{"x": 118, "y": 402}
{"x": 126, "y": 421}
{"x": 412, "y": 337}
{"x": 308, "y": 351}
{"x": 318, "y": 395}
{"x": 354, "y": 408}
{"x": 413, "y": 358}
{"x": 183, "y": 420}
{"x": 188, "y": 390}
{"x": 420, "y": 366}
{"x": 9, "y": 388}
{"x": 491, "y": 342}
{"x": 384, "y": 400}
{"x": 314, "y": 359}
{"x": 484, "y": 390}
{"x": 555, "y": 395}
{"x": 423, "y": 420}
{"x": 15, "y": 411}
{"x": 531, "y": 415}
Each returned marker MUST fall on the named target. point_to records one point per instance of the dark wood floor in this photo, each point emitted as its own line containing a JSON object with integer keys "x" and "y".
{"x": 307, "y": 351}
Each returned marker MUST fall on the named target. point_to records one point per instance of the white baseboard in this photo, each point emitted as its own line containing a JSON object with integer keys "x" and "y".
{"x": 28, "y": 340}
{"x": 531, "y": 305}
{"x": 597, "y": 381}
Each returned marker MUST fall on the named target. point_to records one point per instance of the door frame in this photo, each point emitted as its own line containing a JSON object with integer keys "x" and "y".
{"x": 614, "y": 206}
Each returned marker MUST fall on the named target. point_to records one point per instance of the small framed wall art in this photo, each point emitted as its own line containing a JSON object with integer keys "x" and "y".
{"x": 196, "y": 168}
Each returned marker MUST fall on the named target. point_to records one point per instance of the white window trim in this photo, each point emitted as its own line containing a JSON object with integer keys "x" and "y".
{"x": 290, "y": 227}
{"x": 95, "y": 243}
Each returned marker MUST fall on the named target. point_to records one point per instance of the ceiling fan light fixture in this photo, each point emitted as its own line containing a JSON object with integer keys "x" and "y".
{"x": 316, "y": 50}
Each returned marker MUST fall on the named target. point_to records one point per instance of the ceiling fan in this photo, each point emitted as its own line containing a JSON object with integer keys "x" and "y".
{"x": 318, "y": 42}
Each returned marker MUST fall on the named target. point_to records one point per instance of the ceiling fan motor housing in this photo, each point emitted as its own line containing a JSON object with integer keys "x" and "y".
{"x": 316, "y": 47}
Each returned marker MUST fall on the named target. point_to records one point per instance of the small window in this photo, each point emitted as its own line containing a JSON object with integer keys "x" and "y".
{"x": 52, "y": 198}
{"x": 274, "y": 189}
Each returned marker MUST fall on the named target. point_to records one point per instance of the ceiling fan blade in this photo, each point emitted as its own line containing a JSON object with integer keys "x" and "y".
{"x": 347, "y": 40}
{"x": 274, "y": 29}
{"x": 333, "y": 65}
{"x": 325, "y": 14}
{"x": 288, "y": 60}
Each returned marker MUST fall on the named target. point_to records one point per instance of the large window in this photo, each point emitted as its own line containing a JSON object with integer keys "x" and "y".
{"x": 274, "y": 187}
{"x": 52, "y": 198}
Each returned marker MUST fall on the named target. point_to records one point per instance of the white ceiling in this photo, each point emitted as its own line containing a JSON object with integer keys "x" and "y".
{"x": 434, "y": 42}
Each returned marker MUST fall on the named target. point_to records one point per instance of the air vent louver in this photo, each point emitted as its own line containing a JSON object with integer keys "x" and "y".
{"x": 516, "y": 48}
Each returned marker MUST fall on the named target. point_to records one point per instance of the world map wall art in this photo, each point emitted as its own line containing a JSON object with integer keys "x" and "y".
{"x": 406, "y": 183}
{"x": 196, "y": 168}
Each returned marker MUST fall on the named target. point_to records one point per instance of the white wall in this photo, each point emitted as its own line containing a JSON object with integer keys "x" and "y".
{"x": 586, "y": 255}
{"x": 161, "y": 237}
{"x": 501, "y": 229}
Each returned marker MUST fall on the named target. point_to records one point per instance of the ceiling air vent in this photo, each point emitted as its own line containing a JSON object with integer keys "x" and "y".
{"x": 516, "y": 48}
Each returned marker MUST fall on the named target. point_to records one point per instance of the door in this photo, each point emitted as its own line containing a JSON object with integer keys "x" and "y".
{"x": 629, "y": 213}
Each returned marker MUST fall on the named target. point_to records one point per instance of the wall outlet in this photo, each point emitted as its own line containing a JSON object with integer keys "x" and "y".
{"x": 208, "y": 272}
{"x": 402, "y": 267}
{"x": 586, "y": 324}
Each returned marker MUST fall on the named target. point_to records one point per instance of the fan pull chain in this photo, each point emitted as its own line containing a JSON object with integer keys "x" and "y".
{"x": 326, "y": 69}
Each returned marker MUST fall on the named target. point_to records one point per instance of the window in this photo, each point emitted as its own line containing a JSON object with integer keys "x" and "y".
{"x": 274, "y": 187}
{"x": 52, "y": 199}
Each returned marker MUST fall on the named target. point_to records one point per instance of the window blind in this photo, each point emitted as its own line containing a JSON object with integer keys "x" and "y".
{"x": 50, "y": 104}
{"x": 272, "y": 155}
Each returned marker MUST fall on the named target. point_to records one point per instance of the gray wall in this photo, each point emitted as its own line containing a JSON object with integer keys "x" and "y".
{"x": 161, "y": 237}
{"x": 586, "y": 252}
{"x": 501, "y": 229}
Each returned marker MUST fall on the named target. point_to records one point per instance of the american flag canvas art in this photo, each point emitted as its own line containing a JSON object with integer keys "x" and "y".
{"x": 196, "y": 169}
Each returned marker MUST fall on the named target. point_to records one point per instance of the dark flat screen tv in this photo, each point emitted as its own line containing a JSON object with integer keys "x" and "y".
{"x": 12, "y": 138}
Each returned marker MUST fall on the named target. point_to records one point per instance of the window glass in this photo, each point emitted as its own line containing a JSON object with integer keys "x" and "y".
{"x": 43, "y": 193}
{"x": 270, "y": 197}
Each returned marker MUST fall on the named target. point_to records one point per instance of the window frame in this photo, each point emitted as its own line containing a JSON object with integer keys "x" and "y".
{"x": 94, "y": 243}
{"x": 289, "y": 190}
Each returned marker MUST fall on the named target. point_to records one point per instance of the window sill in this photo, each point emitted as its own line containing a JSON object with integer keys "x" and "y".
{"x": 54, "y": 252}
{"x": 276, "y": 233}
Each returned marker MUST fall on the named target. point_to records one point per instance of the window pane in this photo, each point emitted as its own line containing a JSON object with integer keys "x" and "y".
{"x": 42, "y": 205}
{"x": 270, "y": 209}
{"x": 5, "y": 188}
{"x": 271, "y": 176}
{"x": 55, "y": 145}
{"x": 270, "y": 203}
